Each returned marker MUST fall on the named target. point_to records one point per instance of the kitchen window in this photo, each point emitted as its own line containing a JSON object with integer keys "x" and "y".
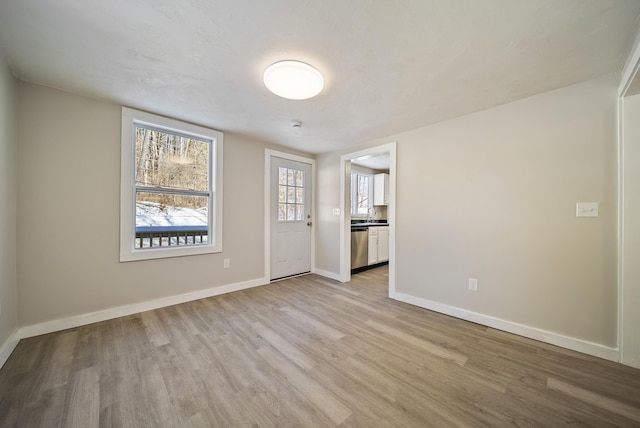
{"x": 171, "y": 184}
{"x": 361, "y": 193}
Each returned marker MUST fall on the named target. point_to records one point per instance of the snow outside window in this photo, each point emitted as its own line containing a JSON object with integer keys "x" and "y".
{"x": 171, "y": 186}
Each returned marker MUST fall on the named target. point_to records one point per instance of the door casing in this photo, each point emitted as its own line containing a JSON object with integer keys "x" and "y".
{"x": 268, "y": 155}
{"x": 345, "y": 211}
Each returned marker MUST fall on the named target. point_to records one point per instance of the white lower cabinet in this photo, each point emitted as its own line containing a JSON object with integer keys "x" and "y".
{"x": 383, "y": 244}
{"x": 373, "y": 245}
{"x": 378, "y": 244}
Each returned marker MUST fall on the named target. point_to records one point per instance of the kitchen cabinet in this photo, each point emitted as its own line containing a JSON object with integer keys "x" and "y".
{"x": 381, "y": 189}
{"x": 383, "y": 244}
{"x": 373, "y": 246}
{"x": 378, "y": 245}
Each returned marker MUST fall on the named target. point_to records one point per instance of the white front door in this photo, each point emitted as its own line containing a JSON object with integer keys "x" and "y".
{"x": 290, "y": 217}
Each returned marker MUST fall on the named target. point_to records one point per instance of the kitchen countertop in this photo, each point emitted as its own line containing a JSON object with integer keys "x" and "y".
{"x": 369, "y": 224}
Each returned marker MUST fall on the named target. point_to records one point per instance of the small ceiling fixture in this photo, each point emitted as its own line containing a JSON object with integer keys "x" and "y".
{"x": 293, "y": 80}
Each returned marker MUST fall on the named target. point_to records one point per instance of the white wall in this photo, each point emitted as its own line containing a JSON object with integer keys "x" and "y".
{"x": 492, "y": 196}
{"x": 631, "y": 233}
{"x": 327, "y": 257}
{"x": 68, "y": 210}
{"x": 8, "y": 188}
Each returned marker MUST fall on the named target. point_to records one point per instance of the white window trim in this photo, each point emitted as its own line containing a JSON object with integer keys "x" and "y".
{"x": 127, "y": 188}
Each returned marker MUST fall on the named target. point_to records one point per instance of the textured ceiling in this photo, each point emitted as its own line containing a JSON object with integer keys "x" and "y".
{"x": 381, "y": 161}
{"x": 389, "y": 66}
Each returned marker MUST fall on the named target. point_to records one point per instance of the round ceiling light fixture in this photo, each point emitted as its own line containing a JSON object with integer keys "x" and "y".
{"x": 293, "y": 80}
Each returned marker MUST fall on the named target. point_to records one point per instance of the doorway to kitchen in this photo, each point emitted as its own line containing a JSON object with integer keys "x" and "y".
{"x": 368, "y": 163}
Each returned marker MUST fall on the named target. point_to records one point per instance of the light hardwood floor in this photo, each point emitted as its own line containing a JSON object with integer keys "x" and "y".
{"x": 307, "y": 352}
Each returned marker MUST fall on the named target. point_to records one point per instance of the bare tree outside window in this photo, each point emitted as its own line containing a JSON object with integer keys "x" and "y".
{"x": 172, "y": 188}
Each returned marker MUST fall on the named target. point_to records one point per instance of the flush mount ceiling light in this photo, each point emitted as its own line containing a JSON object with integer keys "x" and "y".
{"x": 293, "y": 80}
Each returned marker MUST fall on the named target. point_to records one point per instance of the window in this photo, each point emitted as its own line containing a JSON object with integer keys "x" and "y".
{"x": 290, "y": 194}
{"x": 361, "y": 193}
{"x": 171, "y": 188}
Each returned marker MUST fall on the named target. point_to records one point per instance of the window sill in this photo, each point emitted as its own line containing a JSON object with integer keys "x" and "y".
{"x": 167, "y": 252}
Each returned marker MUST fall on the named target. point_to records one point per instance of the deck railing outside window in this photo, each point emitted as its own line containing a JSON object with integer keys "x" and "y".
{"x": 169, "y": 236}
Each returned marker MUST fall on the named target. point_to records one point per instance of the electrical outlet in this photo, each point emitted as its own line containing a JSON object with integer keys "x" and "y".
{"x": 227, "y": 263}
{"x": 473, "y": 284}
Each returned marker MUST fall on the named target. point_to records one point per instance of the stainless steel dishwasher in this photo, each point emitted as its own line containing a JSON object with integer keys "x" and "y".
{"x": 359, "y": 246}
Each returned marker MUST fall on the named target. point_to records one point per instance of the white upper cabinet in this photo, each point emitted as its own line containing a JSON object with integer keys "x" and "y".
{"x": 381, "y": 189}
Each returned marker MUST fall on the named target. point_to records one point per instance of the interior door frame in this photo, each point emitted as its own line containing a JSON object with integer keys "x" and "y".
{"x": 630, "y": 75}
{"x": 345, "y": 211}
{"x": 268, "y": 154}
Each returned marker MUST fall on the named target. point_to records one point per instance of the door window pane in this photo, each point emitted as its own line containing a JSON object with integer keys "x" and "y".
{"x": 282, "y": 212}
{"x": 291, "y": 212}
{"x": 290, "y": 194}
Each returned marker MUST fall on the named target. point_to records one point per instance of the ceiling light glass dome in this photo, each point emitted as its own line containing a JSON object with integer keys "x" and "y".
{"x": 293, "y": 80}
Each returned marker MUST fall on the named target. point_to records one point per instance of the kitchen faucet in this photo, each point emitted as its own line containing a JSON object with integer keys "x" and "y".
{"x": 371, "y": 211}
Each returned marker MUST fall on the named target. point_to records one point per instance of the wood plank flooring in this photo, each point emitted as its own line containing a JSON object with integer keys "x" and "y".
{"x": 307, "y": 352}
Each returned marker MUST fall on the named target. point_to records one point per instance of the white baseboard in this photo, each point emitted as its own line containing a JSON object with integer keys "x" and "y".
{"x": 327, "y": 274}
{"x": 8, "y": 346}
{"x": 552, "y": 338}
{"x": 579, "y": 345}
{"x": 120, "y": 311}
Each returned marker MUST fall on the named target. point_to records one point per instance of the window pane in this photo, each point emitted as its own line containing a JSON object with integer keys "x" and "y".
{"x": 282, "y": 175}
{"x": 354, "y": 193}
{"x": 291, "y": 192}
{"x": 363, "y": 185}
{"x": 171, "y": 161}
{"x": 171, "y": 220}
{"x": 360, "y": 186}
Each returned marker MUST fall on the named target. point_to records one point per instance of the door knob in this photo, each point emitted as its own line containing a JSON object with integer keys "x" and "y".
{"x": 308, "y": 223}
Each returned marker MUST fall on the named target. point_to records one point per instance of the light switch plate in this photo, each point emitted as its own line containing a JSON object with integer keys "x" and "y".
{"x": 587, "y": 209}
{"x": 336, "y": 211}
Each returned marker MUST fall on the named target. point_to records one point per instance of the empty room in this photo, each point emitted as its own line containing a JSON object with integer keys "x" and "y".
{"x": 403, "y": 213}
